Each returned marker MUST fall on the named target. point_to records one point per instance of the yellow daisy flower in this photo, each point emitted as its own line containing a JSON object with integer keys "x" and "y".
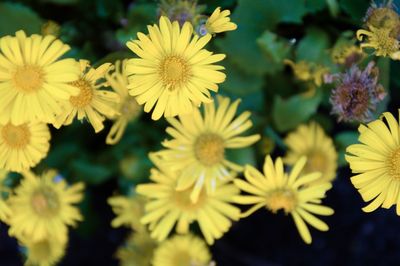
{"x": 291, "y": 192}
{"x": 220, "y": 22}
{"x": 33, "y": 79}
{"x": 199, "y": 144}
{"x": 128, "y": 108}
{"x": 168, "y": 206}
{"x": 380, "y": 40}
{"x": 46, "y": 252}
{"x": 311, "y": 141}
{"x": 173, "y": 71}
{"x": 137, "y": 250}
{"x": 43, "y": 207}
{"x": 375, "y": 161}
{"x": 129, "y": 210}
{"x": 182, "y": 251}
{"x": 91, "y": 102}
{"x": 5, "y": 211}
{"x": 23, "y": 146}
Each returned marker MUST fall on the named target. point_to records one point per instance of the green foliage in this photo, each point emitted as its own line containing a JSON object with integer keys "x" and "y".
{"x": 16, "y": 17}
{"x": 342, "y": 141}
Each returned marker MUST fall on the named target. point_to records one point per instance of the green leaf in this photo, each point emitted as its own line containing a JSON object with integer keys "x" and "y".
{"x": 314, "y": 47}
{"x": 91, "y": 173}
{"x": 15, "y": 17}
{"x": 342, "y": 141}
{"x": 289, "y": 113}
{"x": 274, "y": 48}
{"x": 253, "y": 17}
{"x": 242, "y": 156}
{"x": 355, "y": 8}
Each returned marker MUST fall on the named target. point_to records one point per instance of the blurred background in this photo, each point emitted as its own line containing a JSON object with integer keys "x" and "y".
{"x": 268, "y": 32}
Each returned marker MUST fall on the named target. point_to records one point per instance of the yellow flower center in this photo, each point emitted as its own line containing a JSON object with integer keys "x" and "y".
{"x": 45, "y": 201}
{"x": 85, "y": 95}
{"x": 183, "y": 201}
{"x": 281, "y": 199}
{"x": 174, "y": 72}
{"x": 385, "y": 44}
{"x": 181, "y": 258}
{"x": 28, "y": 78}
{"x": 209, "y": 149}
{"x": 316, "y": 162}
{"x": 394, "y": 164}
{"x": 130, "y": 108}
{"x": 16, "y": 137}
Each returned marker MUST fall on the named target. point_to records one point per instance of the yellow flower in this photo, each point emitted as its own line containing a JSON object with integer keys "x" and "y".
{"x": 347, "y": 54}
{"x": 129, "y": 210}
{"x": 51, "y": 28}
{"x": 43, "y": 207}
{"x": 199, "y": 145}
{"x": 375, "y": 161}
{"x": 128, "y": 108}
{"x": 5, "y": 211}
{"x": 168, "y": 206}
{"x": 186, "y": 250}
{"x": 32, "y": 79}
{"x": 46, "y": 252}
{"x": 91, "y": 102}
{"x": 291, "y": 192}
{"x": 311, "y": 141}
{"x": 307, "y": 71}
{"x": 137, "y": 250}
{"x": 380, "y": 40}
{"x": 173, "y": 72}
{"x": 23, "y": 146}
{"x": 220, "y": 22}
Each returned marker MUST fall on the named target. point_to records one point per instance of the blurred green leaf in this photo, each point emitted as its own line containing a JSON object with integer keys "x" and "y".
{"x": 355, "y": 8}
{"x": 274, "y": 48}
{"x": 91, "y": 173}
{"x": 315, "y": 5}
{"x": 342, "y": 141}
{"x": 242, "y": 156}
{"x": 288, "y": 113}
{"x": 15, "y": 17}
{"x": 253, "y": 18}
{"x": 314, "y": 47}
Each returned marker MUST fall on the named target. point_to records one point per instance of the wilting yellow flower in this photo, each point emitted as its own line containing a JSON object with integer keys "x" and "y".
{"x": 91, "y": 102}
{"x": 128, "y": 108}
{"x": 291, "y": 192}
{"x": 137, "y": 250}
{"x": 23, "y": 146}
{"x": 347, "y": 54}
{"x": 33, "y": 79}
{"x": 43, "y": 207}
{"x": 220, "y": 22}
{"x": 168, "y": 206}
{"x": 186, "y": 250}
{"x": 375, "y": 161}
{"x": 46, "y": 252}
{"x": 51, "y": 28}
{"x": 311, "y": 141}
{"x": 198, "y": 148}
{"x": 173, "y": 72}
{"x": 380, "y": 40}
{"x": 129, "y": 210}
{"x": 307, "y": 71}
{"x": 5, "y": 210}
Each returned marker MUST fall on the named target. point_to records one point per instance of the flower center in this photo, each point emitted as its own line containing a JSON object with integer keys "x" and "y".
{"x": 28, "y": 78}
{"x": 183, "y": 201}
{"x": 386, "y": 44}
{"x": 85, "y": 95}
{"x": 394, "y": 164}
{"x": 316, "y": 162}
{"x": 209, "y": 149}
{"x": 16, "y": 137}
{"x": 174, "y": 72}
{"x": 281, "y": 199}
{"x": 182, "y": 258}
{"x": 45, "y": 201}
{"x": 130, "y": 108}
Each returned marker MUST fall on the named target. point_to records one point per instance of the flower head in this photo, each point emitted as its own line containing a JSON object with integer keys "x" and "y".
{"x": 128, "y": 108}
{"x": 311, "y": 141}
{"x": 185, "y": 250}
{"x": 219, "y": 21}
{"x": 46, "y": 252}
{"x": 383, "y": 16}
{"x": 181, "y": 10}
{"x": 137, "y": 250}
{"x": 375, "y": 161}
{"x": 43, "y": 207}
{"x": 347, "y": 54}
{"x": 173, "y": 73}
{"x": 91, "y": 102}
{"x": 51, "y": 28}
{"x": 23, "y": 146}
{"x": 381, "y": 40}
{"x": 357, "y": 94}
{"x": 199, "y": 143}
{"x": 168, "y": 206}
{"x": 33, "y": 80}
{"x": 291, "y": 192}
{"x": 129, "y": 210}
